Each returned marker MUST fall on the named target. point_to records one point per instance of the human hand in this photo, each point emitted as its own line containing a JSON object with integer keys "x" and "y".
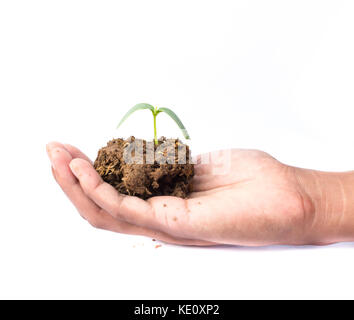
{"x": 258, "y": 201}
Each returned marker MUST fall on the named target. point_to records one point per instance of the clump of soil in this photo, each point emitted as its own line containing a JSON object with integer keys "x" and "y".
{"x": 140, "y": 168}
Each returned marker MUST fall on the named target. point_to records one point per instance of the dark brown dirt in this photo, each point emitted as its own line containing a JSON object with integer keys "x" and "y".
{"x": 169, "y": 173}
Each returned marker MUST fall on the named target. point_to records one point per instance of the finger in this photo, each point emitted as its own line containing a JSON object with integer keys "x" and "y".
{"x": 96, "y": 216}
{"x": 76, "y": 153}
{"x": 171, "y": 215}
{"x": 120, "y": 206}
{"x": 60, "y": 159}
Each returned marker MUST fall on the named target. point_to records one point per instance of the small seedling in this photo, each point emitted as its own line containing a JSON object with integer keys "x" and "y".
{"x": 155, "y": 111}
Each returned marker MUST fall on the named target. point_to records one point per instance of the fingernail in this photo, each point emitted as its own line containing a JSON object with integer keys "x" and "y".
{"x": 48, "y": 148}
{"x": 74, "y": 168}
{"x": 52, "y": 154}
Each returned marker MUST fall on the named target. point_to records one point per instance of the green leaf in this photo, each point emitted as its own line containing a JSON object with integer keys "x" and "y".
{"x": 139, "y": 106}
{"x": 176, "y": 119}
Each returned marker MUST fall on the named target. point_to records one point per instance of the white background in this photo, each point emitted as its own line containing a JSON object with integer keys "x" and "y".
{"x": 272, "y": 75}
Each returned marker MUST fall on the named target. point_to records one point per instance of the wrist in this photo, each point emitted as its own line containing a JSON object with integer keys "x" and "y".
{"x": 331, "y": 196}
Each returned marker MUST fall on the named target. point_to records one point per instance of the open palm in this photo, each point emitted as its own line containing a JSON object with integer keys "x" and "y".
{"x": 242, "y": 197}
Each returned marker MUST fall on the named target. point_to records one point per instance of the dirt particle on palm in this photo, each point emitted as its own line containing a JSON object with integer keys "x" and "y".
{"x": 163, "y": 175}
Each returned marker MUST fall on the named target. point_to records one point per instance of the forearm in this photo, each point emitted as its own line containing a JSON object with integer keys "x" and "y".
{"x": 332, "y": 204}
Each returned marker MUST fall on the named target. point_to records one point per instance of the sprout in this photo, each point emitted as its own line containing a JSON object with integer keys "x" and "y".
{"x": 155, "y": 111}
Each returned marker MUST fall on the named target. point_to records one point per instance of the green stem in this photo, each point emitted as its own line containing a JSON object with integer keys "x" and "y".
{"x": 155, "y": 135}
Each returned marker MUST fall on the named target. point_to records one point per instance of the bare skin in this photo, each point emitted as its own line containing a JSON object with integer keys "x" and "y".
{"x": 259, "y": 201}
